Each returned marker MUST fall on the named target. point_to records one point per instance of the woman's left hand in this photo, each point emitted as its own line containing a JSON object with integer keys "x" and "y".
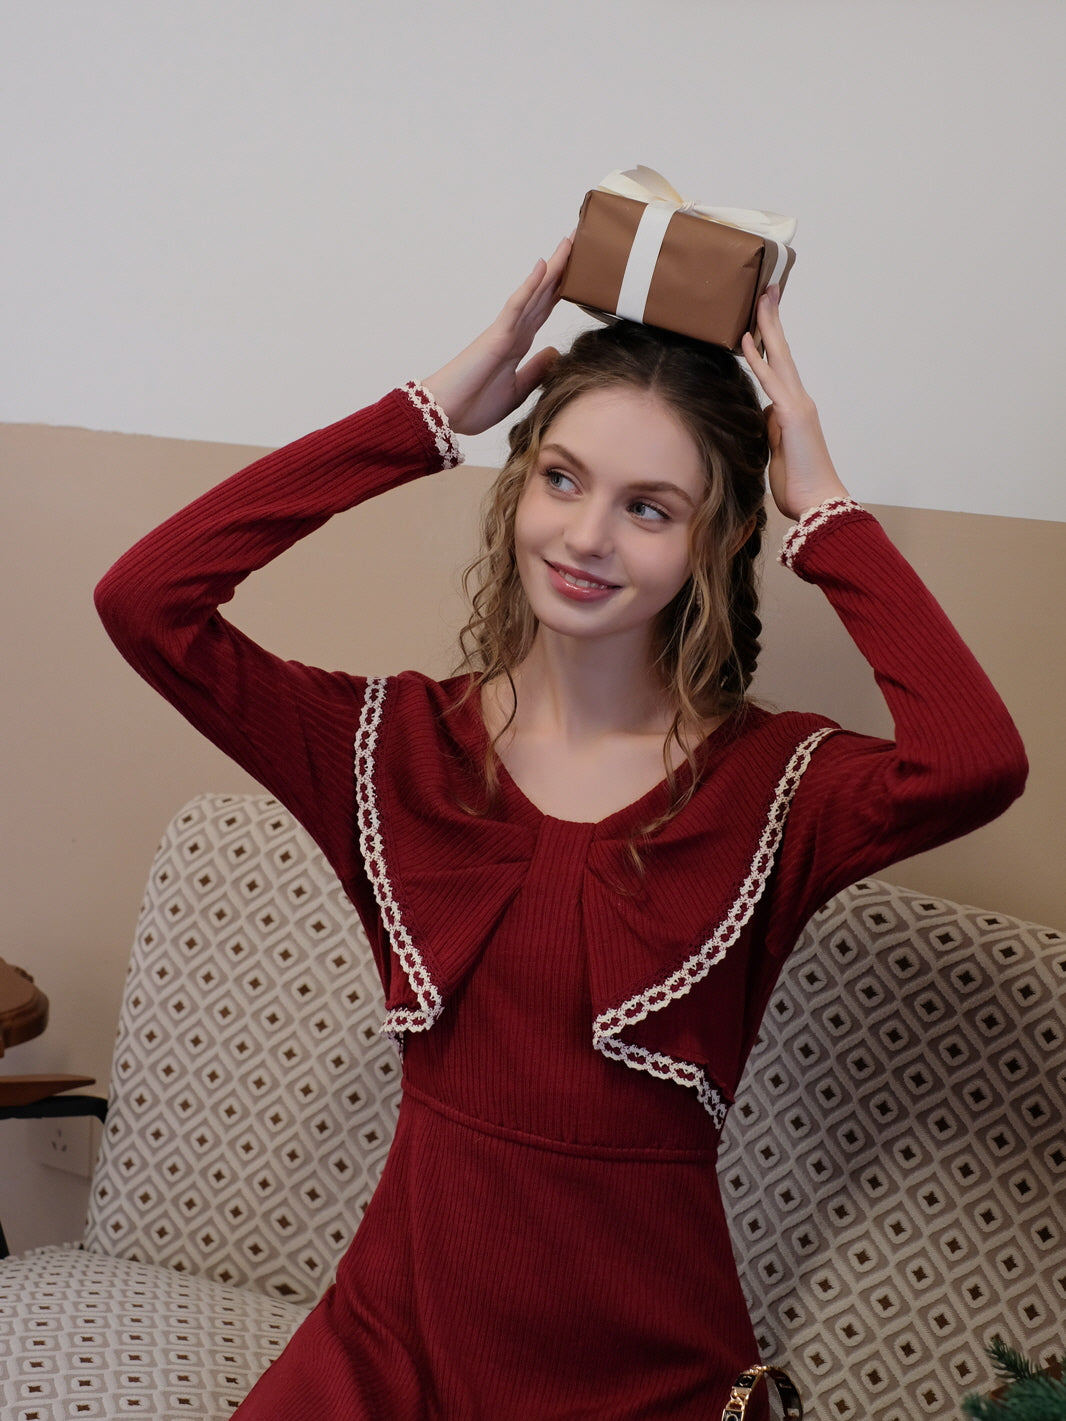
{"x": 801, "y": 473}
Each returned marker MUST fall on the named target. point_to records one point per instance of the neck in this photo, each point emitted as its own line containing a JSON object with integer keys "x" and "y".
{"x": 581, "y": 690}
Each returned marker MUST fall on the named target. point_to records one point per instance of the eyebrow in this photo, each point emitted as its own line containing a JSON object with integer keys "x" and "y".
{"x": 641, "y": 486}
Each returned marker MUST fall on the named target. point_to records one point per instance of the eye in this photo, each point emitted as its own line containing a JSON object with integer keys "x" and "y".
{"x": 556, "y": 479}
{"x": 648, "y": 512}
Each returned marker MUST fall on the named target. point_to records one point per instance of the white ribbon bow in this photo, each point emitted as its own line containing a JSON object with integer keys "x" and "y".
{"x": 662, "y": 201}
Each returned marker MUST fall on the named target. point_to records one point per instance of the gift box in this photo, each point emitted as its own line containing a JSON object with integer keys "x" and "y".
{"x": 642, "y": 253}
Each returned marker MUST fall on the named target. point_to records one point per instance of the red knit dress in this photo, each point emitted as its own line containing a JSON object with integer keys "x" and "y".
{"x": 547, "y": 1240}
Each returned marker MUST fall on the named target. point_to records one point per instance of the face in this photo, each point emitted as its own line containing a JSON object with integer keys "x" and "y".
{"x": 601, "y": 529}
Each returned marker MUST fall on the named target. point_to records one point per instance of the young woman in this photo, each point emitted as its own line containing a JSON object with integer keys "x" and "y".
{"x": 582, "y": 862}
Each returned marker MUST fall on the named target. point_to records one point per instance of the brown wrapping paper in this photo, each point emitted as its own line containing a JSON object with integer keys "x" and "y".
{"x": 707, "y": 279}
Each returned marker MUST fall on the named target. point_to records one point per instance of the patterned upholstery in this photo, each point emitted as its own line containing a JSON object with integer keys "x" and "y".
{"x": 87, "y": 1336}
{"x": 895, "y": 1166}
{"x": 252, "y": 1105}
{"x": 252, "y": 1098}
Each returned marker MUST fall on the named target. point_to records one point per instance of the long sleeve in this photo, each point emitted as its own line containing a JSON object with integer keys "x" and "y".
{"x": 956, "y": 760}
{"x": 860, "y": 803}
{"x": 290, "y": 726}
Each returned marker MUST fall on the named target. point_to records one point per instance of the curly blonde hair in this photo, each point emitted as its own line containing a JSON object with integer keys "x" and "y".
{"x": 707, "y": 638}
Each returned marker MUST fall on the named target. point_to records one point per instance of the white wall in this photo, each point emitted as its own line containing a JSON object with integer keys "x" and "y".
{"x": 234, "y": 221}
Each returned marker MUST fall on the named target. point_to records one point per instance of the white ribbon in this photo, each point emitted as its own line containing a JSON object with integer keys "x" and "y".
{"x": 661, "y": 202}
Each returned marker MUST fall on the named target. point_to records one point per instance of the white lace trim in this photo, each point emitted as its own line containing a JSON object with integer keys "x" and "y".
{"x": 609, "y": 1024}
{"x": 813, "y": 519}
{"x": 669, "y": 1068}
{"x": 372, "y": 847}
{"x": 436, "y": 422}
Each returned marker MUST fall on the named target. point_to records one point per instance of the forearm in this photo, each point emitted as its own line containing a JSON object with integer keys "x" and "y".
{"x": 287, "y": 724}
{"x": 175, "y": 578}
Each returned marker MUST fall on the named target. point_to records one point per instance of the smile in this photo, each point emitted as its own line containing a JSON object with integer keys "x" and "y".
{"x": 578, "y": 585}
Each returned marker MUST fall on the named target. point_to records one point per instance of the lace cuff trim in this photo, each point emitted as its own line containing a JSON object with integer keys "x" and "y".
{"x": 609, "y": 1025}
{"x": 813, "y": 519}
{"x": 436, "y": 422}
{"x": 372, "y": 847}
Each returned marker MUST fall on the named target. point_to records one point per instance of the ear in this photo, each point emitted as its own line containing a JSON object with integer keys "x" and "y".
{"x": 743, "y": 536}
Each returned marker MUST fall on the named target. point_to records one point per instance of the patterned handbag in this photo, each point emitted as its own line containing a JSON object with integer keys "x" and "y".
{"x": 737, "y": 1405}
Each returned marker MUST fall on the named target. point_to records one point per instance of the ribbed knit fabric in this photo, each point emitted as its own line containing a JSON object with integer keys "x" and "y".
{"x": 547, "y": 1241}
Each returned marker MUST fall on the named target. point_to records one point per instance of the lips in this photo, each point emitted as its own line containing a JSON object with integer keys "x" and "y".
{"x": 579, "y": 585}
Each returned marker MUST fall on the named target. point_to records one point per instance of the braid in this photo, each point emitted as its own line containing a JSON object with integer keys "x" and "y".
{"x": 745, "y": 623}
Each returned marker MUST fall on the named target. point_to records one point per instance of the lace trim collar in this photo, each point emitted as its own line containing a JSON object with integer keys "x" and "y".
{"x": 371, "y": 845}
{"x": 609, "y": 1025}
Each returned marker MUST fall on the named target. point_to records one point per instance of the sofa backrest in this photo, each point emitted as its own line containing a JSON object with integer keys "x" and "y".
{"x": 894, "y": 1168}
{"x": 252, "y": 1100}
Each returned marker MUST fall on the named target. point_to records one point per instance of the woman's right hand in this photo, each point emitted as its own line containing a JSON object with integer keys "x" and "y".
{"x": 485, "y": 382}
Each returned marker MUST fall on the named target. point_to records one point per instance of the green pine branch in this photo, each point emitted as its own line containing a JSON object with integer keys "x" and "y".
{"x": 1029, "y": 1394}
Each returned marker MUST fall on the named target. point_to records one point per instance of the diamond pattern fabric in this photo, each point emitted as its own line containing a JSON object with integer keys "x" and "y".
{"x": 894, "y": 1168}
{"x": 252, "y": 1105}
{"x": 102, "y": 1337}
{"x": 252, "y": 1097}
{"x": 895, "y": 1165}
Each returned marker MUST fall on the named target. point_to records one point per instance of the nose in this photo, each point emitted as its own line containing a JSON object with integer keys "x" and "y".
{"x": 588, "y": 532}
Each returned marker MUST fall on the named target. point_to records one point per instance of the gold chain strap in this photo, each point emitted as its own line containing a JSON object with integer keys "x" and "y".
{"x": 737, "y": 1405}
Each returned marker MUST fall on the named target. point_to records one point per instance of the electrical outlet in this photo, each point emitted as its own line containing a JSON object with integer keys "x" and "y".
{"x": 69, "y": 1144}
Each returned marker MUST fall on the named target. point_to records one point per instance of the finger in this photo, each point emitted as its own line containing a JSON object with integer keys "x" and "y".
{"x": 769, "y": 318}
{"x": 547, "y": 293}
{"x": 528, "y": 308}
{"x": 519, "y": 300}
{"x": 772, "y": 332}
{"x": 559, "y": 258}
{"x": 750, "y": 350}
{"x": 543, "y": 301}
{"x": 775, "y": 370}
{"x": 760, "y": 366}
{"x": 534, "y": 372}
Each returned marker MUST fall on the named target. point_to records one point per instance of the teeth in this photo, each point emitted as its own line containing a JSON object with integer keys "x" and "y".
{"x": 581, "y": 582}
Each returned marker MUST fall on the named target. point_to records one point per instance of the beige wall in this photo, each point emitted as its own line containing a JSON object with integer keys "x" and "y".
{"x": 95, "y": 764}
{"x": 1003, "y": 582}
